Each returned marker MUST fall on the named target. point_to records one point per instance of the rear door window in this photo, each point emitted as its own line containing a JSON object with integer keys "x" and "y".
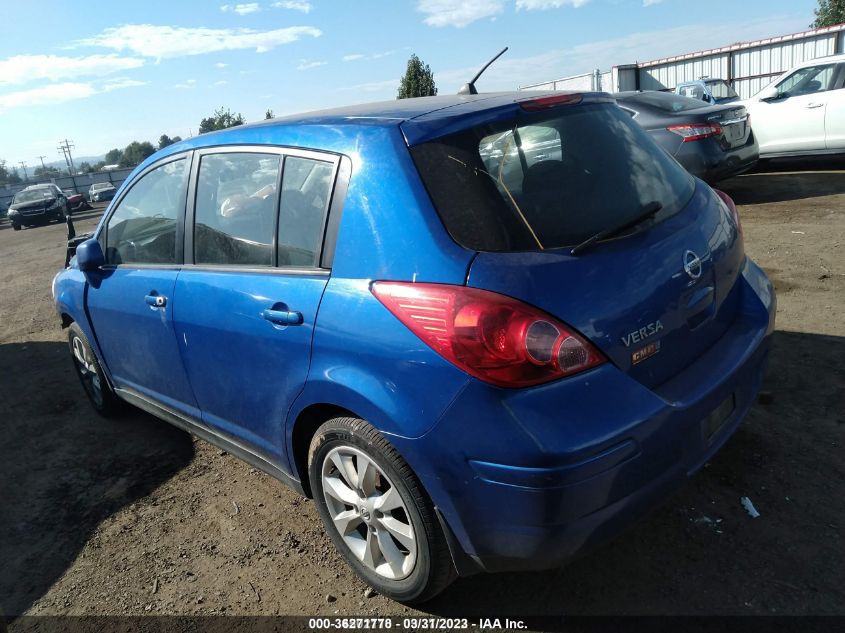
{"x": 306, "y": 189}
{"x": 235, "y": 212}
{"x": 548, "y": 180}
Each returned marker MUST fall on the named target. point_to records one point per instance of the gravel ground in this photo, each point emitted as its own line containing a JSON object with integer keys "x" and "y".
{"x": 136, "y": 517}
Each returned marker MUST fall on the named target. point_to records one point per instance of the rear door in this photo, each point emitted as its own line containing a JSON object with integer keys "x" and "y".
{"x": 131, "y": 301}
{"x": 795, "y": 120}
{"x": 248, "y": 298}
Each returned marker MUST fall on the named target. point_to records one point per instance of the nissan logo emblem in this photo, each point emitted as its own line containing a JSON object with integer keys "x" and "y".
{"x": 692, "y": 265}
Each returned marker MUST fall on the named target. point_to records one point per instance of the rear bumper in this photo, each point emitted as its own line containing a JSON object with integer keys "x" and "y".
{"x": 527, "y": 479}
{"x": 707, "y": 160}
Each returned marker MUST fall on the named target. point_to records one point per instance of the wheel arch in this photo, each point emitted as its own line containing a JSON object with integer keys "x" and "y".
{"x": 306, "y": 424}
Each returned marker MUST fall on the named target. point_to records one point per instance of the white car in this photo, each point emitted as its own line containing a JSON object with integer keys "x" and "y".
{"x": 802, "y": 112}
{"x": 101, "y": 191}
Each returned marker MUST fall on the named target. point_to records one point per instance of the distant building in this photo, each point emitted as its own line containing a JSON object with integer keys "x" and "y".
{"x": 747, "y": 66}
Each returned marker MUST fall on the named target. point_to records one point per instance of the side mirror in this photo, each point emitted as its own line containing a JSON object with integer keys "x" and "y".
{"x": 769, "y": 94}
{"x": 89, "y": 256}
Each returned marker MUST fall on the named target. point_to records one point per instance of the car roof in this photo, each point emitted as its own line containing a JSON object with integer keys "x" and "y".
{"x": 338, "y": 129}
{"x": 819, "y": 60}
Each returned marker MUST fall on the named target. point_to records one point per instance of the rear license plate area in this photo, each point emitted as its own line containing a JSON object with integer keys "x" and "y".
{"x": 717, "y": 418}
{"x": 735, "y": 132}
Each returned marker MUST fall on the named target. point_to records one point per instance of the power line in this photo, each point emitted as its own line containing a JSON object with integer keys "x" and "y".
{"x": 42, "y": 162}
{"x": 23, "y": 165}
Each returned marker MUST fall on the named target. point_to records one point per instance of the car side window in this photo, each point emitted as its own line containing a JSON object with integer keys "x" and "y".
{"x": 306, "y": 190}
{"x": 142, "y": 230}
{"x": 807, "y": 81}
{"x": 235, "y": 213}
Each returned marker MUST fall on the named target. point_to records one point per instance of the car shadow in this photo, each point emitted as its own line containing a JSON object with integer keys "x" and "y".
{"x": 700, "y": 553}
{"x": 64, "y": 470}
{"x": 781, "y": 180}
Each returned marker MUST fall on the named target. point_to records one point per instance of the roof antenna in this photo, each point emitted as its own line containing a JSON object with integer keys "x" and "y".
{"x": 469, "y": 89}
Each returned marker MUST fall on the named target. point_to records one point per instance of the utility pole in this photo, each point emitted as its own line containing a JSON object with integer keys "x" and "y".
{"x": 25, "y": 175}
{"x": 65, "y": 147}
{"x": 42, "y": 163}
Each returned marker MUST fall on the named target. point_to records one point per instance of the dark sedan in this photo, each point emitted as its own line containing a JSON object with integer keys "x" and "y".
{"x": 38, "y": 204}
{"x": 711, "y": 142}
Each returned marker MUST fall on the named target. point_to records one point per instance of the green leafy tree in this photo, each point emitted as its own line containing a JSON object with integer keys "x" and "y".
{"x": 221, "y": 120}
{"x": 269, "y": 114}
{"x": 136, "y": 152}
{"x": 113, "y": 157}
{"x": 164, "y": 140}
{"x": 99, "y": 165}
{"x": 830, "y": 12}
{"x": 418, "y": 80}
{"x": 85, "y": 167}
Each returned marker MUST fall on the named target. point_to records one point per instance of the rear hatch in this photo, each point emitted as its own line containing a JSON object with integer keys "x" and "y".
{"x": 526, "y": 187}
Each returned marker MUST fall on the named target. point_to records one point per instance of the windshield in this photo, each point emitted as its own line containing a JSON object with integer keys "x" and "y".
{"x": 33, "y": 195}
{"x": 101, "y": 185}
{"x": 549, "y": 180}
{"x": 721, "y": 90}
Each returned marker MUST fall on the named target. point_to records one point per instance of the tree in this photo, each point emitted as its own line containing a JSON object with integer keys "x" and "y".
{"x": 46, "y": 172}
{"x": 830, "y": 12}
{"x": 8, "y": 176}
{"x": 269, "y": 114}
{"x": 113, "y": 157}
{"x": 85, "y": 167}
{"x": 221, "y": 120}
{"x": 418, "y": 80}
{"x": 164, "y": 140}
{"x": 135, "y": 153}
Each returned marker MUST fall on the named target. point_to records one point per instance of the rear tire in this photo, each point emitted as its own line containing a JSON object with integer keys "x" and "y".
{"x": 376, "y": 512}
{"x": 94, "y": 381}
{"x": 16, "y": 227}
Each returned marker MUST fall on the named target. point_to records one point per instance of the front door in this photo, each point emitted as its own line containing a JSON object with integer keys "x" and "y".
{"x": 794, "y": 121}
{"x": 131, "y": 301}
{"x": 248, "y": 304}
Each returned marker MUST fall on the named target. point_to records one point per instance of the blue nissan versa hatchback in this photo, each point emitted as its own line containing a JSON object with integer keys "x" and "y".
{"x": 483, "y": 332}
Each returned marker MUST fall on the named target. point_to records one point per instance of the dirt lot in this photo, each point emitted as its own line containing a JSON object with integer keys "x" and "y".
{"x": 136, "y": 517}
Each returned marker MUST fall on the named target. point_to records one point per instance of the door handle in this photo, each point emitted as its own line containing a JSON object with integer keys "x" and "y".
{"x": 155, "y": 301}
{"x": 809, "y": 106}
{"x": 282, "y": 317}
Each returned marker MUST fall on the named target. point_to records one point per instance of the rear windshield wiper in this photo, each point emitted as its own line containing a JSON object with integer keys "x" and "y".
{"x": 648, "y": 211}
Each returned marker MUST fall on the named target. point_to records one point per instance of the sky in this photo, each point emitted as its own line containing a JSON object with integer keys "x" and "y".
{"x": 102, "y": 74}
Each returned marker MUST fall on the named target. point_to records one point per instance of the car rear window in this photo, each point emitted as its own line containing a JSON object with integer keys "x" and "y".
{"x": 548, "y": 180}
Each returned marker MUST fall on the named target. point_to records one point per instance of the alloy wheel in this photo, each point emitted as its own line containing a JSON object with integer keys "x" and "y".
{"x": 87, "y": 370}
{"x": 369, "y": 513}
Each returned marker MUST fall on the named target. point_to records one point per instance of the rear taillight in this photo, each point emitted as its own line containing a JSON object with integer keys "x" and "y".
{"x": 495, "y": 338}
{"x": 729, "y": 203}
{"x": 696, "y": 131}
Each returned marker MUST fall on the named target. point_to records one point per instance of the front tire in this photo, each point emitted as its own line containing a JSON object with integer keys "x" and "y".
{"x": 16, "y": 226}
{"x": 377, "y": 513}
{"x": 91, "y": 375}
